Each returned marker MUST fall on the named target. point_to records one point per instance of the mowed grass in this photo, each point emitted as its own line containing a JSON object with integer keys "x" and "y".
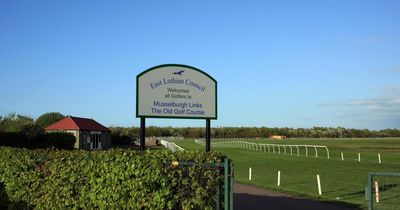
{"x": 342, "y": 181}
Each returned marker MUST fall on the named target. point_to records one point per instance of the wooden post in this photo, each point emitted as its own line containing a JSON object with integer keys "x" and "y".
{"x": 208, "y": 135}
{"x": 142, "y": 133}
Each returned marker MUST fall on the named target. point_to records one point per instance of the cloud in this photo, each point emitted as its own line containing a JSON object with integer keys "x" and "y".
{"x": 391, "y": 90}
{"x": 395, "y": 69}
{"x": 382, "y": 110}
{"x": 383, "y": 107}
{"x": 388, "y": 103}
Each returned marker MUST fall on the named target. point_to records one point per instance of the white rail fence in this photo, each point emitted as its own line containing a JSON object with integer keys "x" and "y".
{"x": 171, "y": 146}
{"x": 274, "y": 148}
{"x": 201, "y": 142}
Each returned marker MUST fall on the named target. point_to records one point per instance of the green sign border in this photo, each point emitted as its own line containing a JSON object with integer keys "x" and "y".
{"x": 173, "y": 65}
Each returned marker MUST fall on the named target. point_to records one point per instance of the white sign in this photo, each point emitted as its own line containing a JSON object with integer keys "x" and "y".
{"x": 176, "y": 91}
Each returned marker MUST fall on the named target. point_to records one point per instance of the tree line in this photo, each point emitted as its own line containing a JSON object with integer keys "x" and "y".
{"x": 20, "y": 123}
{"x": 25, "y": 132}
{"x": 13, "y": 122}
{"x": 256, "y": 132}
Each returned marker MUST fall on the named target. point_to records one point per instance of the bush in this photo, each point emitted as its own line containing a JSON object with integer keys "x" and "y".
{"x": 3, "y": 197}
{"x": 114, "y": 179}
{"x": 120, "y": 139}
{"x": 55, "y": 140}
{"x": 37, "y": 141}
{"x": 13, "y": 139}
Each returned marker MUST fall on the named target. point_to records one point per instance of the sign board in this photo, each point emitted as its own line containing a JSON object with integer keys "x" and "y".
{"x": 176, "y": 91}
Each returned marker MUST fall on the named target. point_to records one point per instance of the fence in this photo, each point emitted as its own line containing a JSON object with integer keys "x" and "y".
{"x": 274, "y": 148}
{"x": 383, "y": 191}
{"x": 171, "y": 146}
{"x": 291, "y": 147}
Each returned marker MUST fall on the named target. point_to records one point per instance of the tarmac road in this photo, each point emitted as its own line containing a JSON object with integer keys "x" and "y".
{"x": 247, "y": 197}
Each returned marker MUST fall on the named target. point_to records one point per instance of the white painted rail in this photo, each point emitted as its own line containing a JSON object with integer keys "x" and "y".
{"x": 274, "y": 148}
{"x": 291, "y": 146}
{"x": 171, "y": 146}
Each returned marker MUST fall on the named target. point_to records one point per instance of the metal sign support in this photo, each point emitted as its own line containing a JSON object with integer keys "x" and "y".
{"x": 208, "y": 135}
{"x": 142, "y": 133}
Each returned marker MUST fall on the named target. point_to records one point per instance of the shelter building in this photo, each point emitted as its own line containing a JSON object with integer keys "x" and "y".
{"x": 89, "y": 134}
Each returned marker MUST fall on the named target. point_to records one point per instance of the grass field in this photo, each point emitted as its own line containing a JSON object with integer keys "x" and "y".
{"x": 342, "y": 181}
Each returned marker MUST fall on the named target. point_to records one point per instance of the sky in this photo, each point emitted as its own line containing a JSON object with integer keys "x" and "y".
{"x": 278, "y": 63}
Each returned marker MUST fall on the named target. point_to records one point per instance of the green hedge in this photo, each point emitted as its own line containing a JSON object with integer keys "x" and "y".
{"x": 114, "y": 179}
{"x": 4, "y": 202}
{"x": 54, "y": 140}
{"x": 13, "y": 139}
{"x": 119, "y": 139}
{"x": 38, "y": 141}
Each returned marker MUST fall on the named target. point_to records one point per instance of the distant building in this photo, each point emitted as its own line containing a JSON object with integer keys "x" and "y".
{"x": 89, "y": 133}
{"x": 277, "y": 137}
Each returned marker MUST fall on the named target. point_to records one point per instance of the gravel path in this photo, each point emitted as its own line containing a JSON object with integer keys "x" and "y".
{"x": 249, "y": 197}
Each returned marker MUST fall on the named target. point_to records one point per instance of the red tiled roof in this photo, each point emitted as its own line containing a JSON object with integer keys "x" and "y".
{"x": 77, "y": 123}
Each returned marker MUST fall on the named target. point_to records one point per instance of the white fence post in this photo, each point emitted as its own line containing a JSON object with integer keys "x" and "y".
{"x": 342, "y": 155}
{"x": 279, "y": 178}
{"x": 319, "y": 185}
{"x": 379, "y": 158}
{"x": 250, "y": 174}
{"x": 327, "y": 151}
{"x": 316, "y": 151}
{"x": 359, "y": 157}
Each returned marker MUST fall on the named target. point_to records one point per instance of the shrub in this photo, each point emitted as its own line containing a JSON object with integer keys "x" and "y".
{"x": 114, "y": 179}
{"x": 56, "y": 140}
{"x": 37, "y": 141}
{"x": 3, "y": 197}
{"x": 13, "y": 139}
{"x": 120, "y": 139}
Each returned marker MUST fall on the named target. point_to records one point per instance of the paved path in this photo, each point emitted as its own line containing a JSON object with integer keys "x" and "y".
{"x": 248, "y": 197}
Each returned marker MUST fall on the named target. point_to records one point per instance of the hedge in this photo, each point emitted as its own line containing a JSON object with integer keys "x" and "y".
{"x": 39, "y": 141}
{"x": 113, "y": 179}
{"x": 118, "y": 139}
{"x": 4, "y": 202}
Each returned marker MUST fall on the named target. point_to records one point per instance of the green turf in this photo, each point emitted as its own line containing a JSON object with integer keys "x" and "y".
{"x": 342, "y": 181}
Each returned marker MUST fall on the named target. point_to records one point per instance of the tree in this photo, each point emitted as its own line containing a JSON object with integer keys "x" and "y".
{"x": 14, "y": 123}
{"x": 48, "y": 118}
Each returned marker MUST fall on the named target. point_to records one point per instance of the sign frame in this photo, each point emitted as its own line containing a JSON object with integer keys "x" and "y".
{"x": 175, "y": 117}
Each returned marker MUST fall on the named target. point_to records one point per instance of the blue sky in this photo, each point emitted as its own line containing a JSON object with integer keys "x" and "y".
{"x": 277, "y": 63}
